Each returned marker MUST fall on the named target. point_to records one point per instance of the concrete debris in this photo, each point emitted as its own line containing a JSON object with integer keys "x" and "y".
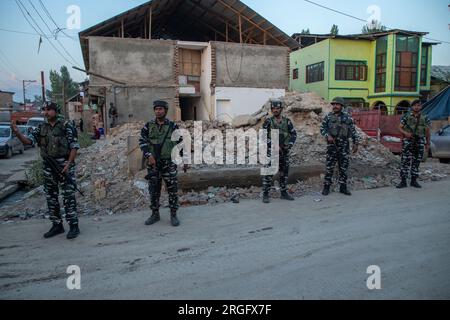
{"x": 102, "y": 169}
{"x": 245, "y": 120}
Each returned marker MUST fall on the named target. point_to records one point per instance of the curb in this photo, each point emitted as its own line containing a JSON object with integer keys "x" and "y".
{"x": 8, "y": 190}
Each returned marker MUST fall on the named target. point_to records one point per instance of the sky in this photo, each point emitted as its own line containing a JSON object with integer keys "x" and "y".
{"x": 20, "y": 60}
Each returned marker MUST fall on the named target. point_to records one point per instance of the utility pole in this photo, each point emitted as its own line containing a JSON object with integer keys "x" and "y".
{"x": 24, "y": 82}
{"x": 43, "y": 86}
{"x": 65, "y": 111}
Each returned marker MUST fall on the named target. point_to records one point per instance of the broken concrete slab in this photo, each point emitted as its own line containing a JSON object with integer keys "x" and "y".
{"x": 18, "y": 177}
{"x": 240, "y": 177}
{"x": 7, "y": 191}
{"x": 244, "y": 120}
{"x": 135, "y": 157}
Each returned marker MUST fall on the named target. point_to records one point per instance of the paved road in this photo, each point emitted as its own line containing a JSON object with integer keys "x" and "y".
{"x": 300, "y": 250}
{"x": 16, "y": 164}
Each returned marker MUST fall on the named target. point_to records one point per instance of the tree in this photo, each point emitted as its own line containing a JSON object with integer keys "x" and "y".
{"x": 38, "y": 100}
{"x": 334, "y": 30}
{"x": 305, "y": 31}
{"x": 373, "y": 27}
{"x": 57, "y": 81}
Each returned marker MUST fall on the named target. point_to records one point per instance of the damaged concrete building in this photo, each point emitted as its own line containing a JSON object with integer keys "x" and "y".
{"x": 210, "y": 59}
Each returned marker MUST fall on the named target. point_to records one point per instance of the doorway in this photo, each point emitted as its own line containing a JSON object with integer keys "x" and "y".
{"x": 189, "y": 106}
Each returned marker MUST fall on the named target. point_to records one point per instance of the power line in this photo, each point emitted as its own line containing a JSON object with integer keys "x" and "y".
{"x": 45, "y": 23}
{"x": 41, "y": 33}
{"x": 56, "y": 39}
{"x": 23, "y": 32}
{"x": 340, "y": 12}
{"x": 53, "y": 20}
{"x": 5, "y": 68}
{"x": 8, "y": 63}
{"x": 26, "y": 18}
{"x": 360, "y": 19}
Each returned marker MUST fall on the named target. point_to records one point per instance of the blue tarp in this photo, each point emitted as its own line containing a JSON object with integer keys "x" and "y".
{"x": 438, "y": 108}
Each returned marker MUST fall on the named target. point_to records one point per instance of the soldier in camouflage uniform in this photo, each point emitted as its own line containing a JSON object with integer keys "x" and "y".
{"x": 337, "y": 128}
{"x": 415, "y": 127}
{"x": 157, "y": 145}
{"x": 57, "y": 140}
{"x": 288, "y": 136}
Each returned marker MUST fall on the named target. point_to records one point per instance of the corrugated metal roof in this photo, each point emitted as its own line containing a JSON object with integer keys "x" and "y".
{"x": 302, "y": 39}
{"x": 192, "y": 20}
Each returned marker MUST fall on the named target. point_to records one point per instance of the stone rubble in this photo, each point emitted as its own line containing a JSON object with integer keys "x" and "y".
{"x": 102, "y": 169}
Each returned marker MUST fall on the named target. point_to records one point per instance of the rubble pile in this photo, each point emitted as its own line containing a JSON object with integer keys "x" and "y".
{"x": 306, "y": 111}
{"x": 102, "y": 169}
{"x": 102, "y": 172}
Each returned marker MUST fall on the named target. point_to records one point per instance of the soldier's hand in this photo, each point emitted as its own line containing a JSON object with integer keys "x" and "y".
{"x": 14, "y": 127}
{"x": 355, "y": 148}
{"x": 330, "y": 139}
{"x": 408, "y": 135}
{"x": 66, "y": 168}
{"x": 151, "y": 161}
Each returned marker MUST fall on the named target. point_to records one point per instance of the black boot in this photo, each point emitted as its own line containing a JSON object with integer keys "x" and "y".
{"x": 415, "y": 184}
{"x": 266, "y": 198}
{"x": 153, "y": 219}
{"x": 56, "y": 229}
{"x": 345, "y": 191}
{"x": 173, "y": 219}
{"x": 326, "y": 190}
{"x": 73, "y": 232}
{"x": 402, "y": 184}
{"x": 286, "y": 196}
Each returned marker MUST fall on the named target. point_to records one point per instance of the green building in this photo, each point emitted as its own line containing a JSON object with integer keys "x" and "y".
{"x": 386, "y": 70}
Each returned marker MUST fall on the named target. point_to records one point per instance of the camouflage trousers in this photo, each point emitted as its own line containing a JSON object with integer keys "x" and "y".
{"x": 337, "y": 153}
{"x": 51, "y": 188}
{"x": 165, "y": 170}
{"x": 283, "y": 173}
{"x": 412, "y": 155}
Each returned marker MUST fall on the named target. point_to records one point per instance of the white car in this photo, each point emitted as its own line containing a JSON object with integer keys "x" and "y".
{"x": 35, "y": 122}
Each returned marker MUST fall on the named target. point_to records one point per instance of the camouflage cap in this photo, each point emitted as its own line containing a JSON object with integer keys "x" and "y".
{"x": 51, "y": 106}
{"x": 276, "y": 103}
{"x": 160, "y": 103}
{"x": 339, "y": 100}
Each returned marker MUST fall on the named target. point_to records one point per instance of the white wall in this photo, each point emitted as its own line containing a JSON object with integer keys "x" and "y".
{"x": 204, "y": 110}
{"x": 244, "y": 100}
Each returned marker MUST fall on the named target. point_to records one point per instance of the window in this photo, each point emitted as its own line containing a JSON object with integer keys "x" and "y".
{"x": 406, "y": 63}
{"x": 190, "y": 62}
{"x": 295, "y": 74}
{"x": 315, "y": 72}
{"x": 381, "y": 65}
{"x": 351, "y": 70}
{"x": 424, "y": 66}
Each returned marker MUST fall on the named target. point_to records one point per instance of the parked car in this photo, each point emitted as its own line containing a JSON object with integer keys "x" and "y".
{"x": 440, "y": 145}
{"x": 9, "y": 143}
{"x": 26, "y": 131}
{"x": 35, "y": 122}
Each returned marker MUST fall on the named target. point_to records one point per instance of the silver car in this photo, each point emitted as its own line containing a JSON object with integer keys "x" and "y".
{"x": 9, "y": 143}
{"x": 440, "y": 145}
